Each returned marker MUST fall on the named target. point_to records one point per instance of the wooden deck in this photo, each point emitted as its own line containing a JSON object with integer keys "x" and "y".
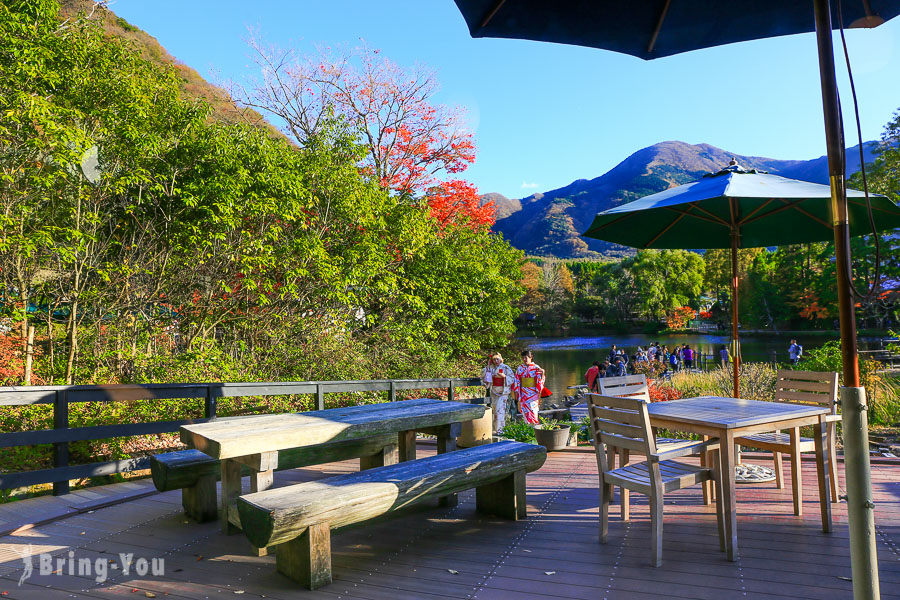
{"x": 445, "y": 553}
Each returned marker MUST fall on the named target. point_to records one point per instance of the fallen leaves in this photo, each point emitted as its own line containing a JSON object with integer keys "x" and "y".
{"x": 453, "y": 571}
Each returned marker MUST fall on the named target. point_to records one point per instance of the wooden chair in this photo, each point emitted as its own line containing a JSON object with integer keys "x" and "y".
{"x": 624, "y": 423}
{"x": 802, "y": 387}
{"x": 635, "y": 386}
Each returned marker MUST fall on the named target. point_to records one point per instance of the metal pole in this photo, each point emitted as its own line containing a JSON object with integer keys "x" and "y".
{"x": 860, "y": 515}
{"x": 860, "y": 508}
{"x": 736, "y": 362}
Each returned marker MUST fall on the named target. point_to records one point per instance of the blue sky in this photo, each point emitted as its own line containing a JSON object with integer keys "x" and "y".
{"x": 546, "y": 114}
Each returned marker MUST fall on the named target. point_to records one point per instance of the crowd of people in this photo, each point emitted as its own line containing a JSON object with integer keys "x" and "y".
{"x": 656, "y": 357}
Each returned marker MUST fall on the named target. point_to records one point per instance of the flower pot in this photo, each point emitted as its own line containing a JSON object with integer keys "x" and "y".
{"x": 551, "y": 439}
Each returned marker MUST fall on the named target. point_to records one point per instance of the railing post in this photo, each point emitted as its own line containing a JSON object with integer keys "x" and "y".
{"x": 210, "y": 404}
{"x": 320, "y": 397}
{"x": 451, "y": 390}
{"x": 61, "y": 449}
{"x": 393, "y": 393}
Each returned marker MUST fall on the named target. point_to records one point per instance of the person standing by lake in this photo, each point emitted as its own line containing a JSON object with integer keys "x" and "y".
{"x": 795, "y": 351}
{"x": 724, "y": 356}
{"x": 527, "y": 385}
{"x": 591, "y": 376}
{"x": 498, "y": 378}
{"x": 687, "y": 355}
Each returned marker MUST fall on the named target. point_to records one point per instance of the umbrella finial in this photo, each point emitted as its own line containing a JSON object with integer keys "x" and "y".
{"x": 733, "y": 162}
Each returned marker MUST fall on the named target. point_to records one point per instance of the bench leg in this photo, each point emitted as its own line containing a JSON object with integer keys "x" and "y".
{"x": 387, "y": 456}
{"x": 446, "y": 442}
{"x": 306, "y": 559}
{"x": 504, "y": 498}
{"x": 231, "y": 489}
{"x": 199, "y": 500}
{"x": 406, "y": 445}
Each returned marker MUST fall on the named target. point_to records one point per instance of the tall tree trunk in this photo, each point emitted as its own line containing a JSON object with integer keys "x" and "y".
{"x": 50, "y": 356}
{"x": 73, "y": 344}
{"x": 29, "y": 354}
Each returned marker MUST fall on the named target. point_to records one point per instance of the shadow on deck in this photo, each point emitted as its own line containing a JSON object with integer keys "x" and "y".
{"x": 444, "y": 553}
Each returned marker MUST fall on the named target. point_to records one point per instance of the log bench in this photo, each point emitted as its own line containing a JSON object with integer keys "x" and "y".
{"x": 298, "y": 519}
{"x": 196, "y": 473}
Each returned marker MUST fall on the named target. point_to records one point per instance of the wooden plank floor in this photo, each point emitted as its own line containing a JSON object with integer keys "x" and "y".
{"x": 445, "y": 553}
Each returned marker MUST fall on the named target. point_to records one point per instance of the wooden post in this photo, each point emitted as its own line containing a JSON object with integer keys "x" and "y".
{"x": 199, "y": 500}
{"x": 451, "y": 390}
{"x": 446, "y": 442}
{"x": 231, "y": 489}
{"x": 307, "y": 558}
{"x": 320, "y": 397}
{"x": 860, "y": 517}
{"x": 387, "y": 456}
{"x": 504, "y": 498}
{"x": 407, "y": 445}
{"x": 61, "y": 449}
{"x": 392, "y": 395}
{"x": 210, "y": 404}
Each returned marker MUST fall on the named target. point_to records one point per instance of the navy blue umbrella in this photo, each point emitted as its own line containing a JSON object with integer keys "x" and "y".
{"x": 652, "y": 29}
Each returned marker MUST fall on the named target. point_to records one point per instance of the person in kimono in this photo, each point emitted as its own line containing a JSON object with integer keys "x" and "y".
{"x": 498, "y": 378}
{"x": 527, "y": 386}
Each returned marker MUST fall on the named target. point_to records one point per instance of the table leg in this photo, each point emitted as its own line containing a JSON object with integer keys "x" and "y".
{"x": 823, "y": 466}
{"x": 728, "y": 500}
{"x": 406, "y": 445}
{"x": 231, "y": 489}
{"x": 446, "y": 442}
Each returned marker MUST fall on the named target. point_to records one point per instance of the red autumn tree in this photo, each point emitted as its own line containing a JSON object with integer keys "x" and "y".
{"x": 413, "y": 146}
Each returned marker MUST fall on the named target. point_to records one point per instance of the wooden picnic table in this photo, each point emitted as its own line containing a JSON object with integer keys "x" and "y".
{"x": 254, "y": 441}
{"x": 730, "y": 418}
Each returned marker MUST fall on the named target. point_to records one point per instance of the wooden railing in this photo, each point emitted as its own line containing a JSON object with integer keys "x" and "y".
{"x": 61, "y": 434}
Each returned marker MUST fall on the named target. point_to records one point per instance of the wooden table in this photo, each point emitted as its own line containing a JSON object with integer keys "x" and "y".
{"x": 729, "y": 418}
{"x": 254, "y": 441}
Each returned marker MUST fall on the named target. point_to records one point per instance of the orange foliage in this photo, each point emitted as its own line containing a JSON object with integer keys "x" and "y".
{"x": 680, "y": 317}
{"x": 458, "y": 202}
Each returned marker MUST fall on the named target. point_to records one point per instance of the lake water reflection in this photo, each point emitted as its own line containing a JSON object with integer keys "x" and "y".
{"x": 566, "y": 359}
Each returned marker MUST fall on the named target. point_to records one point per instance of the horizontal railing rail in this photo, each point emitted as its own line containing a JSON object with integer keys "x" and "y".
{"x": 61, "y": 435}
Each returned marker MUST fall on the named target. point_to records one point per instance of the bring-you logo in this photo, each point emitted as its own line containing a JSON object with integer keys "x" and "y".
{"x": 99, "y": 569}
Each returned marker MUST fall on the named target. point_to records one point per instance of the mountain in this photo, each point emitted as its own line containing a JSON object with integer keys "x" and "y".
{"x": 223, "y": 108}
{"x": 550, "y": 223}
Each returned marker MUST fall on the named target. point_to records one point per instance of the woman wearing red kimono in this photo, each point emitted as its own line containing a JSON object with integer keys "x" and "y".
{"x": 529, "y": 381}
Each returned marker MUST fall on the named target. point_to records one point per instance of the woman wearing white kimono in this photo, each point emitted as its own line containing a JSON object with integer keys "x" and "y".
{"x": 498, "y": 378}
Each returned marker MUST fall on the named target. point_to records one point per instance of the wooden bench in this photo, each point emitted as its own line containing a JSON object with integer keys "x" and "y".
{"x": 298, "y": 519}
{"x": 196, "y": 473}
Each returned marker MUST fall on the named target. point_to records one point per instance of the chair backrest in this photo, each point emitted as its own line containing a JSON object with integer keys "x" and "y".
{"x": 807, "y": 387}
{"x": 628, "y": 386}
{"x": 621, "y": 423}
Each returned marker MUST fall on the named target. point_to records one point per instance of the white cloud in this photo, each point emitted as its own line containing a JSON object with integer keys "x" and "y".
{"x": 529, "y": 185}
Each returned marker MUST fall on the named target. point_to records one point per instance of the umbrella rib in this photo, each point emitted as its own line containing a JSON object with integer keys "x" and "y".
{"x": 614, "y": 221}
{"x": 759, "y": 208}
{"x": 688, "y": 213}
{"x": 715, "y": 218}
{"x": 658, "y": 28}
{"x": 857, "y": 203}
{"x": 490, "y": 14}
{"x": 811, "y": 216}
{"x": 668, "y": 227}
{"x": 787, "y": 206}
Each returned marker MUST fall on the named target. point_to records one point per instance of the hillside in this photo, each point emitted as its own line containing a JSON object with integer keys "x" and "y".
{"x": 193, "y": 83}
{"x": 550, "y": 223}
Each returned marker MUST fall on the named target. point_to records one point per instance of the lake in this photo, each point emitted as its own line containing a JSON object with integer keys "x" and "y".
{"x": 565, "y": 359}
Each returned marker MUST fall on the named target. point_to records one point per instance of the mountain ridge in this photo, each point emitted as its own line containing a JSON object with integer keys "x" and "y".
{"x": 550, "y": 223}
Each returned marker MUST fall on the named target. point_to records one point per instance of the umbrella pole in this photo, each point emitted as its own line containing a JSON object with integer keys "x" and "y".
{"x": 860, "y": 508}
{"x": 736, "y": 362}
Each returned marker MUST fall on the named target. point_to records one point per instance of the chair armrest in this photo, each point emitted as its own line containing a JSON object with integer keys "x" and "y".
{"x": 688, "y": 449}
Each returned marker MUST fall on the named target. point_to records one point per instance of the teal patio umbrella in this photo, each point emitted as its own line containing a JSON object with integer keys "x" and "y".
{"x": 737, "y": 208}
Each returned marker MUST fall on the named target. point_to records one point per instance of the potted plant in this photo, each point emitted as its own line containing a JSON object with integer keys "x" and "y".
{"x": 552, "y": 435}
